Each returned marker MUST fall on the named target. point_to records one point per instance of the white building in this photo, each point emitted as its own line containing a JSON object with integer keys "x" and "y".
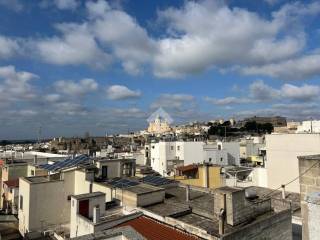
{"x": 309, "y": 127}
{"x": 282, "y": 152}
{"x": 166, "y": 155}
{"x": 251, "y": 146}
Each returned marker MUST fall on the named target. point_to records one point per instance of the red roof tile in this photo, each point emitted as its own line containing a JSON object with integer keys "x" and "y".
{"x": 14, "y": 183}
{"x": 187, "y": 168}
{"x": 154, "y": 230}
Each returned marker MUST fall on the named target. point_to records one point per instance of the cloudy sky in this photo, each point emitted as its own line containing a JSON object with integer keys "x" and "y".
{"x": 71, "y": 66}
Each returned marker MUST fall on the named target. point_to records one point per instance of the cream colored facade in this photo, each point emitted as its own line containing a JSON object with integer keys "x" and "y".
{"x": 45, "y": 201}
{"x": 207, "y": 177}
{"x": 12, "y": 171}
{"x": 159, "y": 126}
{"x": 282, "y": 152}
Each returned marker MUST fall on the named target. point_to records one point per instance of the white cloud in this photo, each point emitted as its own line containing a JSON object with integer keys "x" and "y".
{"x": 262, "y": 92}
{"x": 300, "y": 68}
{"x": 119, "y": 31}
{"x": 119, "y": 92}
{"x": 174, "y": 101}
{"x": 14, "y": 5}
{"x": 66, "y": 4}
{"x": 208, "y": 34}
{"x": 76, "y": 46}
{"x": 15, "y": 86}
{"x": 98, "y": 8}
{"x": 8, "y": 47}
{"x": 227, "y": 100}
{"x": 76, "y": 89}
{"x": 304, "y": 93}
{"x": 53, "y": 97}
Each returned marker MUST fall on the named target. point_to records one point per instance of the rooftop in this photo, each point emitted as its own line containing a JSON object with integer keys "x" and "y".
{"x": 14, "y": 183}
{"x": 88, "y": 195}
{"x": 143, "y": 188}
{"x": 310, "y": 157}
{"x": 38, "y": 179}
{"x": 156, "y": 230}
{"x": 199, "y": 210}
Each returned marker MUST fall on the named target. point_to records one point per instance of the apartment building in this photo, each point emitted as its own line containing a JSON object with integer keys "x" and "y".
{"x": 282, "y": 151}
{"x": 165, "y": 156}
{"x": 204, "y": 175}
{"x": 11, "y": 170}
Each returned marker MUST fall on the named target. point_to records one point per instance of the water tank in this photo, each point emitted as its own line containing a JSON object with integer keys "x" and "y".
{"x": 251, "y": 193}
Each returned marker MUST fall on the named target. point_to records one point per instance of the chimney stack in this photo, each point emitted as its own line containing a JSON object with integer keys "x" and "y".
{"x": 96, "y": 214}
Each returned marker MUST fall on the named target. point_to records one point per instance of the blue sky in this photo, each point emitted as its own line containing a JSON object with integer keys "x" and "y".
{"x": 72, "y": 66}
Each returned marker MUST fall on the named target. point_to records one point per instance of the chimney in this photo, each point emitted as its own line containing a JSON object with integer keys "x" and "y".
{"x": 283, "y": 189}
{"x": 35, "y": 159}
{"x": 222, "y": 216}
{"x": 96, "y": 214}
{"x": 187, "y": 193}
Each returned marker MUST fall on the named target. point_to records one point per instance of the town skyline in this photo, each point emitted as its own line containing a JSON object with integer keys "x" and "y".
{"x": 104, "y": 66}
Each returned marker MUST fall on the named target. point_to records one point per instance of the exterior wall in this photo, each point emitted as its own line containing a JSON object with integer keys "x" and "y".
{"x": 150, "y": 198}
{"x": 80, "y": 185}
{"x": 34, "y": 171}
{"x": 96, "y": 187}
{"x": 282, "y": 151}
{"x": 260, "y": 177}
{"x": 10, "y": 172}
{"x": 310, "y": 206}
{"x": 215, "y": 179}
{"x": 233, "y": 151}
{"x": 309, "y": 126}
{"x": 80, "y": 225}
{"x": 275, "y": 227}
{"x": 23, "y": 214}
{"x": 191, "y": 152}
{"x": 163, "y": 153}
{"x": 115, "y": 167}
{"x": 46, "y": 204}
{"x": 127, "y": 198}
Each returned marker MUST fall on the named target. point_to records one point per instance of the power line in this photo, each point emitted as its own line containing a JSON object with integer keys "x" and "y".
{"x": 264, "y": 196}
{"x": 300, "y": 175}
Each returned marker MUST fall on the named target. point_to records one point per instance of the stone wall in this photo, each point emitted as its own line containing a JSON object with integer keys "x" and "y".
{"x": 309, "y": 185}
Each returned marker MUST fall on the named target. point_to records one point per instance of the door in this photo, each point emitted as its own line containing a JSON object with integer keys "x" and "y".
{"x": 104, "y": 171}
{"x": 84, "y": 208}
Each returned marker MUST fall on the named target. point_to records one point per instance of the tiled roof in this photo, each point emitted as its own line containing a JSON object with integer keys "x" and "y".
{"x": 14, "y": 183}
{"x": 187, "y": 168}
{"x": 154, "y": 230}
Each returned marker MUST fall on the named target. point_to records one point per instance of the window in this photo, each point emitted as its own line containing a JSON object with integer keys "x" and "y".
{"x": 171, "y": 148}
{"x": 210, "y": 159}
{"x": 221, "y": 159}
{"x": 21, "y": 202}
{"x": 178, "y": 148}
{"x": 32, "y": 172}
